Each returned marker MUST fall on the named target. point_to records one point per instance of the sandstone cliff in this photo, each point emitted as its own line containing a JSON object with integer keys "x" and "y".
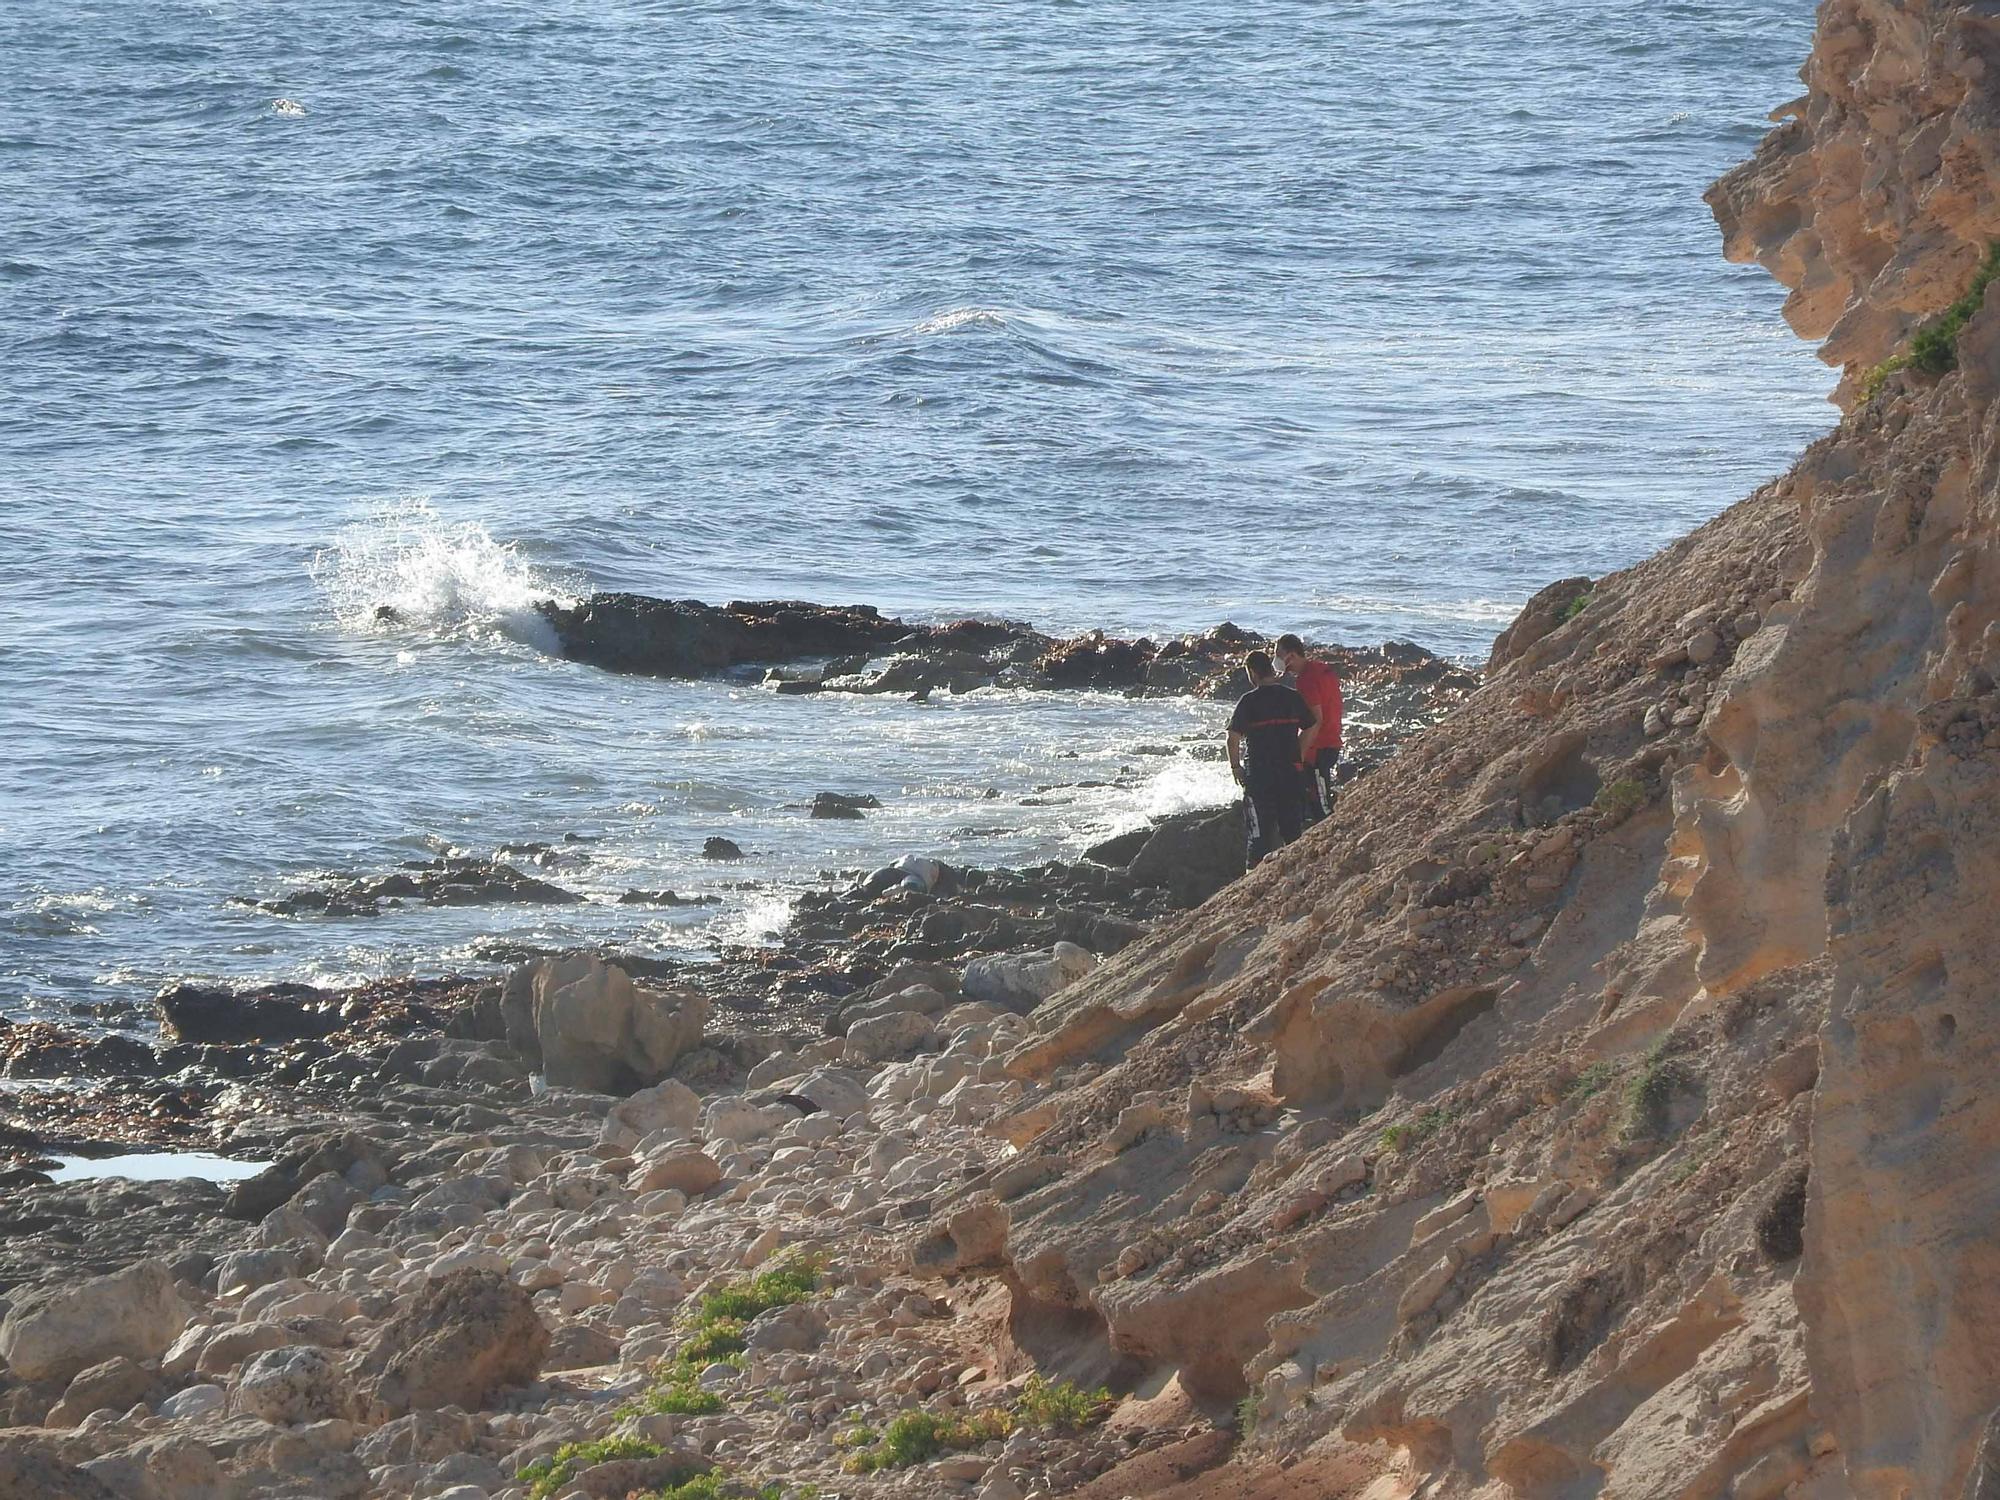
{"x": 1595, "y": 1105}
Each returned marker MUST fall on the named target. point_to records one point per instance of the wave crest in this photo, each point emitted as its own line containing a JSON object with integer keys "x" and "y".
{"x": 407, "y": 568}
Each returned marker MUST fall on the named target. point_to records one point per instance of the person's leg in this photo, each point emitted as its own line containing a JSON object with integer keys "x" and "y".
{"x": 1310, "y": 804}
{"x": 1326, "y": 764}
{"x": 1253, "y": 832}
{"x": 1289, "y": 817}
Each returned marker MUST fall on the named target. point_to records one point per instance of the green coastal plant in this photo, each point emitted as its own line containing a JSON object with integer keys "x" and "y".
{"x": 1575, "y": 607}
{"x": 1249, "y": 1411}
{"x": 715, "y": 1336}
{"x": 1427, "y": 1124}
{"x": 1619, "y": 799}
{"x": 1650, "y": 1091}
{"x": 1933, "y": 348}
{"x": 915, "y": 1436}
{"x": 545, "y": 1476}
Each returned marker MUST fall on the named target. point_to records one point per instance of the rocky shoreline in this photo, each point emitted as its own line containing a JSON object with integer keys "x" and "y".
{"x": 543, "y": 1173}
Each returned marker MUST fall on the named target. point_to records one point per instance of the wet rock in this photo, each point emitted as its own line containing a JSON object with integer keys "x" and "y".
{"x": 842, "y": 804}
{"x": 686, "y": 638}
{"x": 721, "y": 848}
{"x": 464, "y": 1338}
{"x": 444, "y": 881}
{"x": 1193, "y": 854}
{"x": 666, "y": 898}
{"x": 135, "y": 1313}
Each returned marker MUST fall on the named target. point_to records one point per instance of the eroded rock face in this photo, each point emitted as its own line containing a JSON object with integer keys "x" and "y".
{"x": 465, "y": 1337}
{"x": 1875, "y": 199}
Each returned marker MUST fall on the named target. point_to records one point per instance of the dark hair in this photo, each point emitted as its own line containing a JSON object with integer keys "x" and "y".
{"x": 1259, "y": 663}
{"x": 1291, "y": 643}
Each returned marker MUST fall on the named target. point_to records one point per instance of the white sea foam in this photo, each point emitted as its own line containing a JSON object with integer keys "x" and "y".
{"x": 954, "y": 318}
{"x": 408, "y": 568}
{"x": 761, "y": 921}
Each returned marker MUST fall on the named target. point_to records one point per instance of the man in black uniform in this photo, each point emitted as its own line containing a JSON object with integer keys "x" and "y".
{"x": 1264, "y": 756}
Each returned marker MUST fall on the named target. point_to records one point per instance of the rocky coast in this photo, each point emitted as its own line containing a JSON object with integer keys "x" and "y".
{"x": 1596, "y": 1104}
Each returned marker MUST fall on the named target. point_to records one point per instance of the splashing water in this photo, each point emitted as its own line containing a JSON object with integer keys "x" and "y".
{"x": 407, "y": 567}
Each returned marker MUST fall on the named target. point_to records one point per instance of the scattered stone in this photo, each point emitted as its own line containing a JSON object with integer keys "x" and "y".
{"x": 461, "y": 1340}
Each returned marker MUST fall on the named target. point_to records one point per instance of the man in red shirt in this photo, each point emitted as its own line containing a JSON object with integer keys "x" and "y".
{"x": 1319, "y": 747}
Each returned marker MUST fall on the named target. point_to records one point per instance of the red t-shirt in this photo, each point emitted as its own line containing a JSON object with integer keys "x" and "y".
{"x": 1319, "y": 685}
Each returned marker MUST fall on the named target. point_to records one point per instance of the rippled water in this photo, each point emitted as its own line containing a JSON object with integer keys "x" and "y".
{"x": 1365, "y": 317}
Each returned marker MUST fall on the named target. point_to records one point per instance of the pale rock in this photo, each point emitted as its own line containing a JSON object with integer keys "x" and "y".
{"x": 667, "y": 1106}
{"x": 1021, "y": 982}
{"x": 889, "y": 1038}
{"x": 735, "y": 1118}
{"x": 590, "y": 1027}
{"x": 193, "y": 1402}
{"x": 293, "y": 1385}
{"x": 688, "y": 1171}
{"x": 135, "y": 1312}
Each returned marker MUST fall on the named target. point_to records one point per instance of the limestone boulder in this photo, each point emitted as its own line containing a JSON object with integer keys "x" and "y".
{"x": 115, "y": 1385}
{"x": 586, "y": 1025}
{"x": 296, "y": 1384}
{"x": 32, "y": 1469}
{"x": 135, "y": 1313}
{"x": 1021, "y": 981}
{"x": 667, "y": 1105}
{"x": 463, "y": 1338}
{"x": 689, "y": 1171}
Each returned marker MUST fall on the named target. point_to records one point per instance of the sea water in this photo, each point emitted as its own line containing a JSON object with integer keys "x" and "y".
{"x": 1359, "y": 317}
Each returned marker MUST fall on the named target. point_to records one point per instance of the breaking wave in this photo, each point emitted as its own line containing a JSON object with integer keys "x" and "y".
{"x": 408, "y": 568}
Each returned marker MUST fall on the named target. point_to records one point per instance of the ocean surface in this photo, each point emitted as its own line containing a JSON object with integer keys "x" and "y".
{"x": 1360, "y": 317}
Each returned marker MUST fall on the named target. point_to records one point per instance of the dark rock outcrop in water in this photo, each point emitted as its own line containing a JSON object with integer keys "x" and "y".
{"x": 444, "y": 881}
{"x": 856, "y": 649}
{"x": 687, "y": 638}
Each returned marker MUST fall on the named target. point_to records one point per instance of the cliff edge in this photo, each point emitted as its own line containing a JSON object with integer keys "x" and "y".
{"x": 1596, "y": 1103}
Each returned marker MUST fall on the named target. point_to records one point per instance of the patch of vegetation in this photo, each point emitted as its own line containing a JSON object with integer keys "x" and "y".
{"x": 1248, "y": 1412}
{"x": 1427, "y": 1124}
{"x": 715, "y": 1336}
{"x": 1933, "y": 347}
{"x": 1620, "y": 799}
{"x": 545, "y": 1476}
{"x": 917, "y": 1436}
{"x": 1650, "y": 1091}
{"x": 714, "y": 1486}
{"x": 1061, "y": 1404}
{"x": 1590, "y": 1081}
{"x": 781, "y": 1286}
{"x": 1575, "y": 607}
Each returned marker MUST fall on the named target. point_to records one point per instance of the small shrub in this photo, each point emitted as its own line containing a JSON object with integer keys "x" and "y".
{"x": 1590, "y": 1081}
{"x": 545, "y": 1476}
{"x": 1934, "y": 346}
{"x": 1875, "y": 379}
{"x": 713, "y": 1486}
{"x": 1427, "y": 1124}
{"x": 1248, "y": 1411}
{"x": 917, "y": 1436}
{"x": 1061, "y": 1404}
{"x": 718, "y": 1339}
{"x": 1575, "y": 607}
{"x": 781, "y": 1286}
{"x": 1620, "y": 799}
{"x": 1649, "y": 1092}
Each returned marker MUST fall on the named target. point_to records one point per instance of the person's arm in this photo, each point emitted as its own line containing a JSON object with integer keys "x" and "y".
{"x": 1236, "y": 756}
{"x": 1309, "y": 736}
